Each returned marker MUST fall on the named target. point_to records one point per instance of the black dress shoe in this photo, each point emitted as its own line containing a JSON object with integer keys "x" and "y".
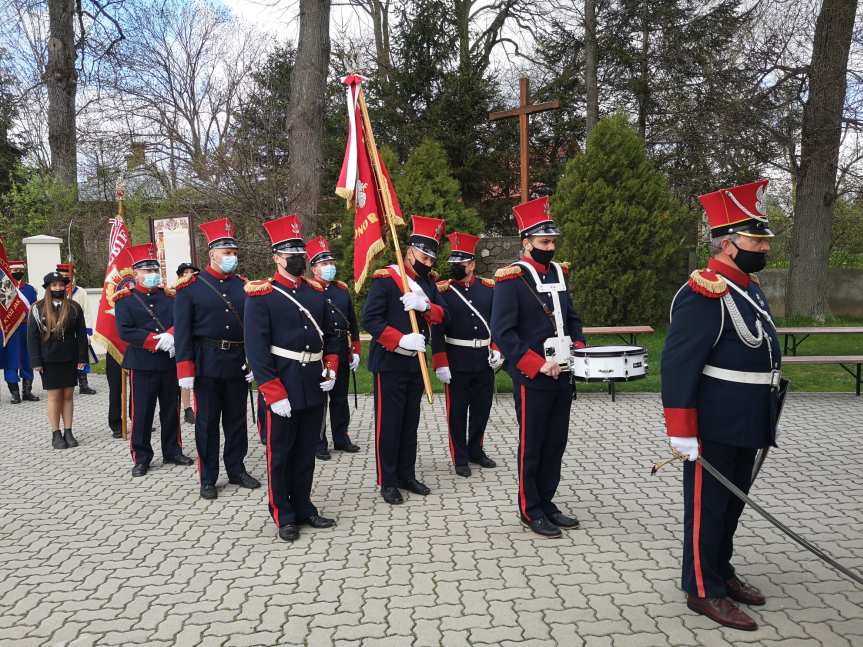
{"x": 116, "y": 433}
{"x": 57, "y": 440}
{"x": 179, "y": 459}
{"x": 740, "y": 591}
{"x": 462, "y": 470}
{"x": 189, "y": 416}
{"x": 317, "y": 521}
{"x": 69, "y": 438}
{"x": 323, "y": 455}
{"x": 392, "y": 495}
{"x": 723, "y": 611}
{"x": 562, "y": 521}
{"x": 208, "y": 491}
{"x": 483, "y": 461}
{"x": 289, "y": 532}
{"x": 140, "y": 469}
{"x": 348, "y": 447}
{"x": 246, "y": 480}
{"x": 543, "y": 527}
{"x": 412, "y": 485}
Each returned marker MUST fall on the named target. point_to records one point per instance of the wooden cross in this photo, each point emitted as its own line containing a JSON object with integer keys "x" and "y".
{"x": 524, "y": 109}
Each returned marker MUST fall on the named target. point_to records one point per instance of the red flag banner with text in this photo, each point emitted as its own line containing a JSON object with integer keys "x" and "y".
{"x": 13, "y": 307}
{"x": 117, "y": 276}
{"x": 358, "y": 186}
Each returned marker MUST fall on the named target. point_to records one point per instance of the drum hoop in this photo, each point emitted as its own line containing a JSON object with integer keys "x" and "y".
{"x": 584, "y": 352}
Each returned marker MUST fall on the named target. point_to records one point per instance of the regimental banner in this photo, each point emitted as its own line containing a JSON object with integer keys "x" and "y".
{"x": 117, "y": 276}
{"x": 13, "y": 308}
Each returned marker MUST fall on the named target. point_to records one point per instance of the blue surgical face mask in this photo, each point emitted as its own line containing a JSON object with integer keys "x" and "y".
{"x": 152, "y": 280}
{"x": 328, "y": 272}
{"x": 228, "y": 264}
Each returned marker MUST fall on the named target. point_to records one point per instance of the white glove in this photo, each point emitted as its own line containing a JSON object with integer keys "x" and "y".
{"x": 355, "y": 362}
{"x": 413, "y": 341}
{"x": 172, "y": 353}
{"x": 415, "y": 300}
{"x": 165, "y": 343}
{"x": 282, "y": 408}
{"x": 186, "y": 382}
{"x": 495, "y": 360}
{"x": 687, "y": 445}
{"x": 330, "y": 381}
{"x": 443, "y": 374}
{"x": 250, "y": 377}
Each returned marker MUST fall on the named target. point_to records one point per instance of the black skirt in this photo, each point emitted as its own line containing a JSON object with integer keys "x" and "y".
{"x": 60, "y": 375}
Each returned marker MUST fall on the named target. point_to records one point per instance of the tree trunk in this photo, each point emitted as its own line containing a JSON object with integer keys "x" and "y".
{"x": 305, "y": 119}
{"x": 590, "y": 83}
{"x": 806, "y": 289}
{"x": 643, "y": 92}
{"x": 61, "y": 80}
{"x": 462, "y": 10}
{"x": 381, "y": 24}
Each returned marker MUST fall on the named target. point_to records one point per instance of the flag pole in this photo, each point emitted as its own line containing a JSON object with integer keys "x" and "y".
{"x": 389, "y": 215}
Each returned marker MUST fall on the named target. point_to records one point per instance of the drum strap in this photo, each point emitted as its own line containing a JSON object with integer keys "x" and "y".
{"x": 554, "y": 288}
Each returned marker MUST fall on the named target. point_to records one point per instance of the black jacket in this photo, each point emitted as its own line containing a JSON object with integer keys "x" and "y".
{"x": 71, "y": 346}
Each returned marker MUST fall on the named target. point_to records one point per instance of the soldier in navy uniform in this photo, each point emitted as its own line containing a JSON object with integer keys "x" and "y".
{"x": 721, "y": 382}
{"x": 294, "y": 352}
{"x": 536, "y": 327}
{"x": 464, "y": 356}
{"x": 393, "y": 356}
{"x": 16, "y": 364}
{"x": 344, "y": 316}
{"x": 145, "y": 320}
{"x": 211, "y": 357}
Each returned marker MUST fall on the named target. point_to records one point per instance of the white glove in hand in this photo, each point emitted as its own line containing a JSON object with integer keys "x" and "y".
{"x": 415, "y": 300}
{"x": 250, "y": 377}
{"x": 355, "y": 362}
{"x": 443, "y": 374}
{"x": 172, "y": 353}
{"x": 413, "y": 341}
{"x": 687, "y": 445}
{"x": 282, "y": 408}
{"x": 330, "y": 381}
{"x": 186, "y": 382}
{"x": 495, "y": 360}
{"x": 165, "y": 343}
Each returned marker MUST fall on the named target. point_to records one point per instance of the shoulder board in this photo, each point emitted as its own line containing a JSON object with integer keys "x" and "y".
{"x": 508, "y": 272}
{"x": 258, "y": 288}
{"x": 708, "y": 284}
{"x": 342, "y": 285}
{"x": 121, "y": 294}
{"x": 754, "y": 278}
{"x": 170, "y": 292}
{"x": 443, "y": 286}
{"x": 434, "y": 276}
{"x": 185, "y": 281}
{"x": 315, "y": 284}
{"x": 382, "y": 273}
{"x": 489, "y": 283}
{"x": 565, "y": 267}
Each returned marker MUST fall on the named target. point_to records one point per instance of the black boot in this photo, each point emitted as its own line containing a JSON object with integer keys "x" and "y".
{"x": 69, "y": 438}
{"x": 57, "y": 441}
{"x": 83, "y": 386}
{"x": 13, "y": 389}
{"x": 27, "y": 389}
{"x": 189, "y": 416}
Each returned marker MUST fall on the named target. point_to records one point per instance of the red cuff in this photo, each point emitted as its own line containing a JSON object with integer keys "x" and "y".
{"x": 681, "y": 422}
{"x": 530, "y": 363}
{"x": 439, "y": 360}
{"x": 150, "y": 342}
{"x": 356, "y": 347}
{"x": 434, "y": 315}
{"x": 186, "y": 368}
{"x": 494, "y": 347}
{"x": 390, "y": 338}
{"x": 332, "y": 362}
{"x": 580, "y": 344}
{"x": 273, "y": 391}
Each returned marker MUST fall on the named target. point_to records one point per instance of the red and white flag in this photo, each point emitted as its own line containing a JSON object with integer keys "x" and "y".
{"x": 358, "y": 186}
{"x": 13, "y": 307}
{"x": 117, "y": 276}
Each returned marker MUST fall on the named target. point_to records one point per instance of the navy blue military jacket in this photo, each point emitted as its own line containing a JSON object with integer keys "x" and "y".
{"x": 136, "y": 310}
{"x": 520, "y": 325}
{"x": 200, "y": 313}
{"x": 385, "y": 318}
{"x": 702, "y": 333}
{"x": 463, "y": 323}
{"x": 344, "y": 317}
{"x": 274, "y": 320}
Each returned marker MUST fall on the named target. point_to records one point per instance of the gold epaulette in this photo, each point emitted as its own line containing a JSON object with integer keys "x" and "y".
{"x": 489, "y": 283}
{"x": 508, "y": 272}
{"x": 120, "y": 294}
{"x": 341, "y": 284}
{"x": 754, "y": 278}
{"x": 185, "y": 281}
{"x": 382, "y": 273}
{"x": 258, "y": 288}
{"x": 708, "y": 284}
{"x": 315, "y": 284}
{"x": 565, "y": 267}
{"x": 443, "y": 286}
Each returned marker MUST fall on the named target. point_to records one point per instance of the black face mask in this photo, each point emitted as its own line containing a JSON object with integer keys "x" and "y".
{"x": 750, "y": 262}
{"x": 295, "y": 264}
{"x": 458, "y": 271}
{"x": 17, "y": 275}
{"x": 421, "y": 270}
{"x": 58, "y": 294}
{"x": 542, "y": 256}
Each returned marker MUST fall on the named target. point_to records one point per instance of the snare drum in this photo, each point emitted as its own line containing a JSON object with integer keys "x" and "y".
{"x": 609, "y": 363}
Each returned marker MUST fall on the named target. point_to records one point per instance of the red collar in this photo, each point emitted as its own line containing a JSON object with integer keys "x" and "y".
{"x": 141, "y": 288}
{"x": 740, "y": 278}
{"x": 219, "y": 275}
{"x": 539, "y": 267}
{"x": 288, "y": 283}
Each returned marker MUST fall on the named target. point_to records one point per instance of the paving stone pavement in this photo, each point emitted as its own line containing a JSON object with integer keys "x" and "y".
{"x": 89, "y": 556}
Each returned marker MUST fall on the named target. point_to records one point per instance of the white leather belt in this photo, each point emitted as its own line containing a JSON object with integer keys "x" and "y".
{"x": 468, "y": 343}
{"x": 770, "y": 378}
{"x": 405, "y": 352}
{"x": 305, "y": 357}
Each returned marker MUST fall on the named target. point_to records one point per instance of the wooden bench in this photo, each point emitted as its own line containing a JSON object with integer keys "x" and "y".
{"x": 841, "y": 360}
{"x": 792, "y": 332}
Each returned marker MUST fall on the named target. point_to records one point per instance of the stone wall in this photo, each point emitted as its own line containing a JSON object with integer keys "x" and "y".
{"x": 845, "y": 297}
{"x": 493, "y": 253}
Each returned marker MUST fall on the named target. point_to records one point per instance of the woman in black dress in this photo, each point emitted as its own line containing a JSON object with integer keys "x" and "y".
{"x": 57, "y": 341}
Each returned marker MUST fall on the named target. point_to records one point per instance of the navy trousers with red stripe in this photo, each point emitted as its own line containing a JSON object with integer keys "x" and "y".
{"x": 291, "y": 446}
{"x": 219, "y": 400}
{"x": 397, "y": 416}
{"x": 468, "y": 394}
{"x": 149, "y": 387}
{"x": 543, "y": 421}
{"x": 710, "y": 516}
